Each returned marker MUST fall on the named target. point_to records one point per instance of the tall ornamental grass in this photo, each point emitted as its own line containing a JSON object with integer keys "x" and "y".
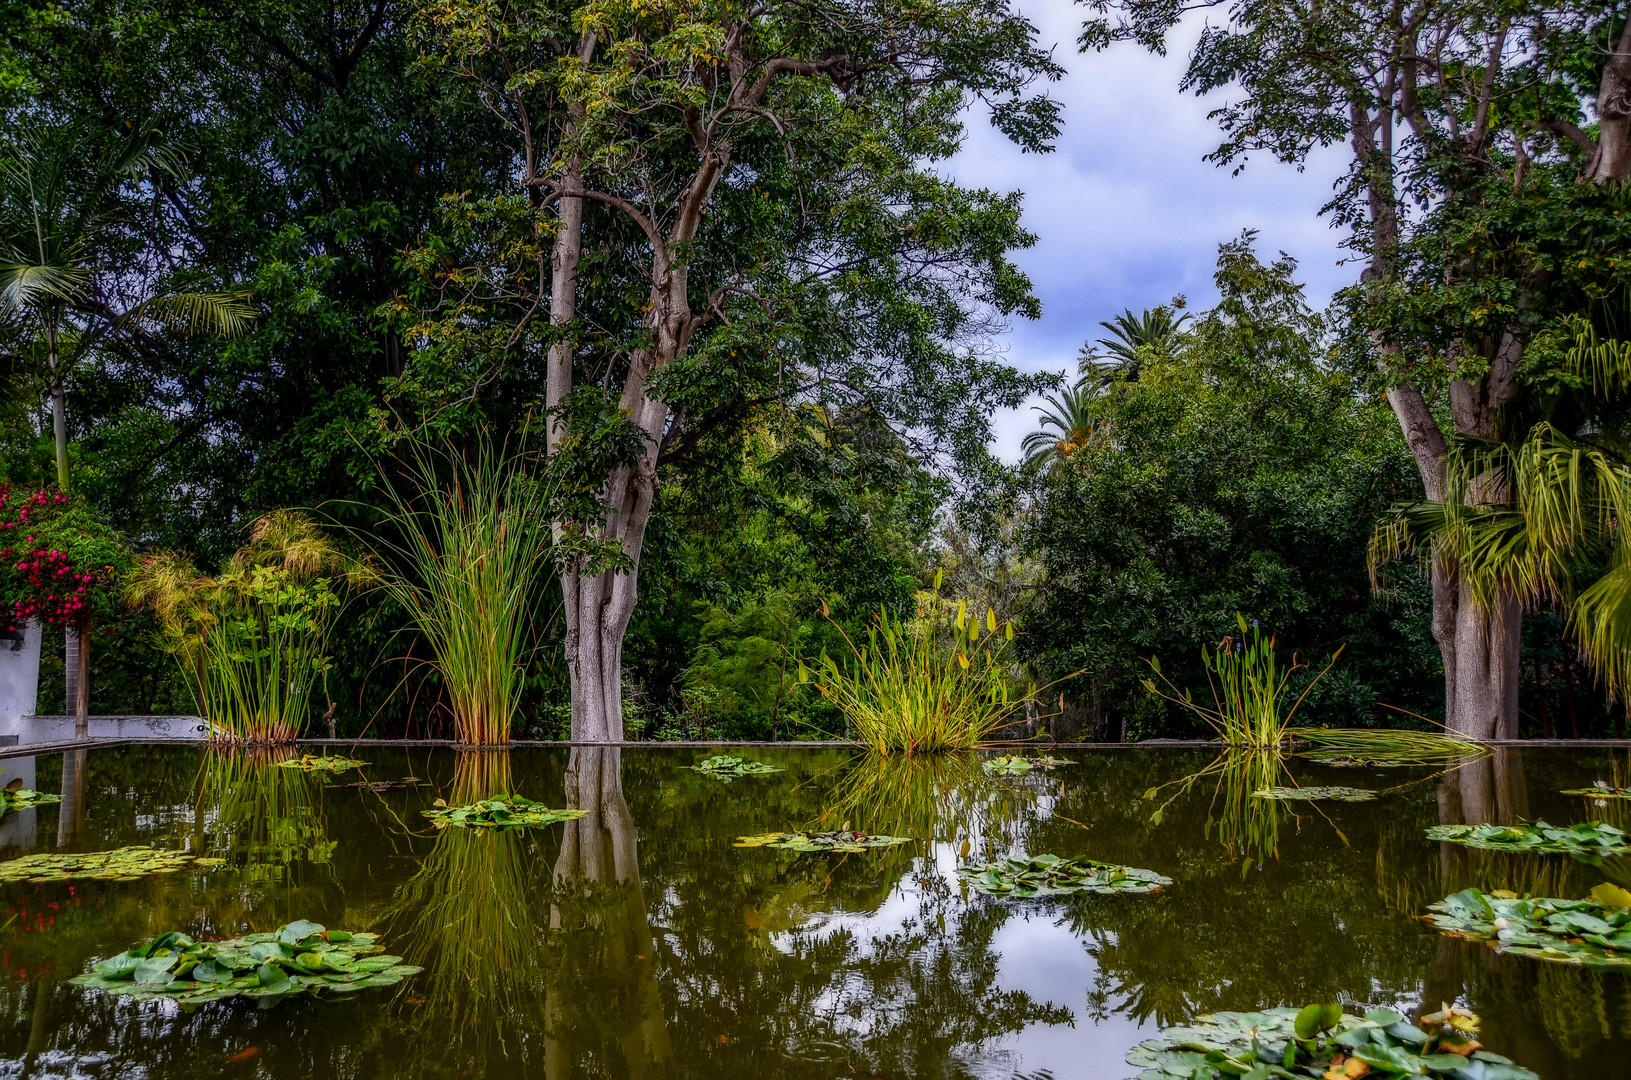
{"x": 470, "y": 555}
{"x": 927, "y": 684}
{"x": 253, "y": 639}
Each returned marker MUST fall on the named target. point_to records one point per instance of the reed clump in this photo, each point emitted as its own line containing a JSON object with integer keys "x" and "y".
{"x": 467, "y": 562}
{"x": 253, "y": 639}
{"x": 933, "y": 683}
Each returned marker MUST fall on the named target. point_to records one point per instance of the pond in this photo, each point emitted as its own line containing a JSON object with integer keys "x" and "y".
{"x": 636, "y": 941}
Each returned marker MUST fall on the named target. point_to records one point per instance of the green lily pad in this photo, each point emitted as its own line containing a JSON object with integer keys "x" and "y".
{"x": 843, "y": 840}
{"x": 383, "y": 785}
{"x": 299, "y": 958}
{"x": 1319, "y": 1040}
{"x": 1014, "y": 764}
{"x": 1050, "y": 875}
{"x": 729, "y": 768}
{"x": 324, "y": 763}
{"x": 499, "y": 812}
{"x": 1593, "y": 933}
{"x": 19, "y": 798}
{"x": 1337, "y": 794}
{"x": 1589, "y": 841}
{"x": 121, "y": 864}
{"x": 1600, "y": 789}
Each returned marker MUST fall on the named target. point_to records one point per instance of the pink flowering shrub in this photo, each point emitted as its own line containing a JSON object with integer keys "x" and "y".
{"x": 58, "y": 564}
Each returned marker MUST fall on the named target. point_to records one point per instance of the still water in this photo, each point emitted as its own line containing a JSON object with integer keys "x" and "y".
{"x": 637, "y": 942}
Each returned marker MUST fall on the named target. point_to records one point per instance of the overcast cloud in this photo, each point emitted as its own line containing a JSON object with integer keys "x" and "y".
{"x": 1127, "y": 212}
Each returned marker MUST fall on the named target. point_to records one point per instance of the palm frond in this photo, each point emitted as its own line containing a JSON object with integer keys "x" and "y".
{"x": 24, "y": 285}
{"x": 1067, "y": 424}
{"x": 222, "y": 314}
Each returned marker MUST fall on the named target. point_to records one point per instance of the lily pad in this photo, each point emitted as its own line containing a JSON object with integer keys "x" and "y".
{"x": 323, "y": 763}
{"x": 1336, "y": 794}
{"x": 499, "y": 812}
{"x": 19, "y": 798}
{"x": 121, "y": 864}
{"x": 1050, "y": 875}
{"x": 729, "y": 768}
{"x": 843, "y": 840}
{"x": 1322, "y": 1040}
{"x": 1013, "y": 764}
{"x": 299, "y": 958}
{"x": 1600, "y": 789}
{"x": 1593, "y": 933}
{"x": 383, "y": 785}
{"x": 1589, "y": 841}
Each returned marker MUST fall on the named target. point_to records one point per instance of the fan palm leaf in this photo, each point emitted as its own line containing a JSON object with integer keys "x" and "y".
{"x": 1068, "y": 424}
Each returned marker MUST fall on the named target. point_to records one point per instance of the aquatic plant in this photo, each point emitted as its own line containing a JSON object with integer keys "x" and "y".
{"x": 19, "y": 798}
{"x": 845, "y": 840}
{"x": 469, "y": 569}
{"x": 1335, "y": 794}
{"x": 1600, "y": 789}
{"x": 1588, "y": 841}
{"x": 1249, "y": 686}
{"x": 383, "y": 785}
{"x": 1372, "y": 748}
{"x": 924, "y": 685}
{"x": 1593, "y": 933}
{"x": 323, "y": 763}
{"x": 299, "y": 958}
{"x": 1049, "y": 875}
{"x": 1323, "y": 1041}
{"x": 498, "y": 812}
{"x": 253, "y": 640}
{"x": 1015, "y": 764}
{"x": 120, "y": 864}
{"x": 729, "y": 768}
{"x": 262, "y": 818}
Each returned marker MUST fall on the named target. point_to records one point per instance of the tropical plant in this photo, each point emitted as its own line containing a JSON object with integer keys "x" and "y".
{"x": 299, "y": 958}
{"x": 1026, "y": 877}
{"x": 1014, "y": 764}
{"x": 1588, "y": 841}
{"x": 1323, "y": 1041}
{"x": 1133, "y": 339}
{"x": 498, "y": 812}
{"x": 1251, "y": 689}
{"x": 1593, "y": 933}
{"x": 845, "y": 841}
{"x": 253, "y": 640}
{"x": 925, "y": 685}
{"x": 729, "y": 768}
{"x": 321, "y": 763}
{"x": 468, "y": 565}
{"x": 1068, "y": 424}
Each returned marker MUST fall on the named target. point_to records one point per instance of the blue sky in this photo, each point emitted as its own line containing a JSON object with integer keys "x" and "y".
{"x": 1127, "y": 212}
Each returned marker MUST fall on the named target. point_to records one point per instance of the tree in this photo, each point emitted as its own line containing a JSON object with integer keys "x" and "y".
{"x": 1455, "y": 114}
{"x": 750, "y": 181}
{"x": 1155, "y": 329}
{"x": 1068, "y": 422}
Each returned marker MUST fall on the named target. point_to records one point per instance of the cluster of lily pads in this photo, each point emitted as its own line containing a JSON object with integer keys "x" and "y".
{"x": 299, "y": 958}
{"x": 1050, "y": 875}
{"x": 1593, "y": 933}
{"x": 844, "y": 840}
{"x": 1323, "y": 1041}
{"x": 1589, "y": 841}
{"x": 121, "y": 864}
{"x": 321, "y": 763}
{"x": 1600, "y": 789}
{"x": 383, "y": 785}
{"x": 722, "y": 767}
{"x": 499, "y": 812}
{"x": 18, "y": 798}
{"x": 1014, "y": 764}
{"x": 1335, "y": 794}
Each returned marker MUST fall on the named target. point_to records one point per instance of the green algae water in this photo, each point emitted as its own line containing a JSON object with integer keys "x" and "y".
{"x": 636, "y": 941}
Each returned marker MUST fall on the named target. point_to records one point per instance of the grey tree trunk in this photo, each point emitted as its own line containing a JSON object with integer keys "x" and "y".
{"x": 1612, "y": 161}
{"x": 82, "y": 685}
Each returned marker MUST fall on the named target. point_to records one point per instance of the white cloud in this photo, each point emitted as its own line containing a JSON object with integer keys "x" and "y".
{"x": 1126, "y": 211}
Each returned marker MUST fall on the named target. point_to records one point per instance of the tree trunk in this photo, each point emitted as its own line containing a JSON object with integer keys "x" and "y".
{"x": 82, "y": 688}
{"x": 1612, "y": 161}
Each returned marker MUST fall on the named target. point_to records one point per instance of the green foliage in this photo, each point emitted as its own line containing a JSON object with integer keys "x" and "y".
{"x": 1323, "y": 1041}
{"x": 121, "y": 864}
{"x": 498, "y": 812}
{"x": 19, "y": 798}
{"x": 1014, "y": 764}
{"x": 1385, "y": 748}
{"x": 1336, "y": 794}
{"x": 1588, "y": 841}
{"x": 1026, "y": 877}
{"x": 324, "y": 763}
{"x": 1240, "y": 473}
{"x": 253, "y": 640}
{"x": 845, "y": 841}
{"x": 730, "y": 768}
{"x": 1593, "y": 933}
{"x": 1600, "y": 789}
{"x": 299, "y": 958}
{"x": 60, "y": 564}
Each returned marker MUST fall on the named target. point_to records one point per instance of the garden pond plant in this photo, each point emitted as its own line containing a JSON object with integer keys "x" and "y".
{"x": 1593, "y": 933}
{"x": 722, "y": 767}
{"x": 1600, "y": 789}
{"x": 498, "y": 812}
{"x": 121, "y": 864}
{"x": 1334, "y": 794}
{"x": 1015, "y": 764}
{"x": 1589, "y": 841}
{"x": 1024, "y": 877}
{"x": 321, "y": 763}
{"x": 19, "y": 798}
{"x": 844, "y": 840}
{"x": 1323, "y": 1041}
{"x": 298, "y": 958}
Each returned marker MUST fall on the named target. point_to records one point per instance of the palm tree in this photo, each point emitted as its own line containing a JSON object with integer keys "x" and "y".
{"x": 57, "y": 199}
{"x": 1540, "y": 518}
{"x": 1068, "y": 424}
{"x": 1132, "y": 338}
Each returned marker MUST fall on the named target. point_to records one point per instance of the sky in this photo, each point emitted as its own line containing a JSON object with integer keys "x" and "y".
{"x": 1126, "y": 211}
